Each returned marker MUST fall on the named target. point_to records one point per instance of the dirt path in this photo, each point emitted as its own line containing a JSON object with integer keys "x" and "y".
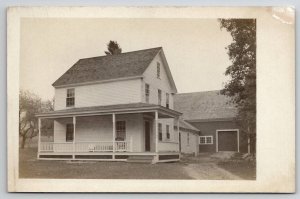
{"x": 209, "y": 171}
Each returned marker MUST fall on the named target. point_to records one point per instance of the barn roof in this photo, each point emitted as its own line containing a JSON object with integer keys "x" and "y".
{"x": 208, "y": 105}
{"x": 129, "y": 64}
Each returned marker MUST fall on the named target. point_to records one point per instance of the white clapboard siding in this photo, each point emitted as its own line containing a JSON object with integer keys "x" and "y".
{"x": 192, "y": 146}
{"x": 169, "y": 122}
{"x": 168, "y": 144}
{"x": 167, "y": 147}
{"x": 60, "y": 129}
{"x": 150, "y": 77}
{"x": 99, "y": 128}
{"x": 109, "y": 93}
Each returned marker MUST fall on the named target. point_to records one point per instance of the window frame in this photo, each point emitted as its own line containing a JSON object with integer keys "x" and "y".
{"x": 118, "y": 131}
{"x": 160, "y": 137}
{"x": 70, "y": 97}
{"x": 205, "y": 140}
{"x": 167, "y": 100}
{"x": 159, "y": 96}
{"x": 168, "y": 136}
{"x": 147, "y": 92}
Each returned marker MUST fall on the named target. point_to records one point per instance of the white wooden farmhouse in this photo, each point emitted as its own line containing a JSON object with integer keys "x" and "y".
{"x": 117, "y": 107}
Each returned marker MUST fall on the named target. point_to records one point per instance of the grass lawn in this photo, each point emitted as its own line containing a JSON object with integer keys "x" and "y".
{"x": 243, "y": 169}
{"x": 30, "y": 167}
{"x": 202, "y": 167}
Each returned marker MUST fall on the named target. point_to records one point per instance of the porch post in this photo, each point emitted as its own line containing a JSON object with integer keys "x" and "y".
{"x": 74, "y": 130}
{"x": 114, "y": 134}
{"x": 156, "y": 131}
{"x": 39, "y": 138}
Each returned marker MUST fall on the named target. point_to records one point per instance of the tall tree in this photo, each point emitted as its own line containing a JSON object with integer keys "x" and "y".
{"x": 113, "y": 48}
{"x": 29, "y": 105}
{"x": 242, "y": 85}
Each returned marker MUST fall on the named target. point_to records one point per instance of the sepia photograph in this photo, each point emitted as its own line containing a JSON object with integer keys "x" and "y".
{"x": 125, "y": 106}
{"x": 138, "y": 98}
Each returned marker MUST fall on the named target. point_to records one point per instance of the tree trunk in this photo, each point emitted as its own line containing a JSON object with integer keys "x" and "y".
{"x": 249, "y": 150}
{"x": 249, "y": 140}
{"x": 23, "y": 142}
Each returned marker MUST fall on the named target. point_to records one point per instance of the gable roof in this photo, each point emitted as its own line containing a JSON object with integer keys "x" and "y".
{"x": 129, "y": 64}
{"x": 208, "y": 105}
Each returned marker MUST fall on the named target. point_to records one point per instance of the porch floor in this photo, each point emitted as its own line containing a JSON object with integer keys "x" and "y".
{"x": 110, "y": 156}
{"x": 108, "y": 153}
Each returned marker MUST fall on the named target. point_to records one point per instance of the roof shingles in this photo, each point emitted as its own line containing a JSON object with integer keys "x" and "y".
{"x": 206, "y": 105}
{"x": 108, "y": 67}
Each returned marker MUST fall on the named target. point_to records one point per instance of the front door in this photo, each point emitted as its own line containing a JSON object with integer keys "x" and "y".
{"x": 69, "y": 133}
{"x": 147, "y": 135}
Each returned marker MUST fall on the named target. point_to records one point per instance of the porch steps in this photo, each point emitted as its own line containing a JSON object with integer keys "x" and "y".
{"x": 140, "y": 158}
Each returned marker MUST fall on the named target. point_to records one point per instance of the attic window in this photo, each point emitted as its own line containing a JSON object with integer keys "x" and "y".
{"x": 70, "y": 100}
{"x": 158, "y": 70}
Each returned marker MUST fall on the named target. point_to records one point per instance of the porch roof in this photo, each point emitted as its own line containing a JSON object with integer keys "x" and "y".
{"x": 185, "y": 126}
{"x": 109, "y": 109}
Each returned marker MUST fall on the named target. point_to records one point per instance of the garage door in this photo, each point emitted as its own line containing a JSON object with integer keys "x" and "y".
{"x": 227, "y": 141}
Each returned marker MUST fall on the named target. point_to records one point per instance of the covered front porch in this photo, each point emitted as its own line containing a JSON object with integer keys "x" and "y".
{"x": 115, "y": 134}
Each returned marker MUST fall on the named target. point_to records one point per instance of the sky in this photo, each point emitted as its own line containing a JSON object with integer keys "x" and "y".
{"x": 194, "y": 48}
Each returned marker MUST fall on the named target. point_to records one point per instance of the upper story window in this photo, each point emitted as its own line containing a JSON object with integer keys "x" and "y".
{"x": 168, "y": 131}
{"x": 147, "y": 92}
{"x": 120, "y": 130}
{"x": 167, "y": 100}
{"x": 70, "y": 100}
{"x": 158, "y": 70}
{"x": 159, "y": 97}
{"x": 159, "y": 131}
{"x": 188, "y": 139}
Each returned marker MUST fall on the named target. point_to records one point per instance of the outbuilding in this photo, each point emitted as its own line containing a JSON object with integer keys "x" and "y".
{"x": 215, "y": 116}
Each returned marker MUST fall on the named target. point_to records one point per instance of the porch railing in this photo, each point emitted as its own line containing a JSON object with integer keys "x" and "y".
{"x": 86, "y": 146}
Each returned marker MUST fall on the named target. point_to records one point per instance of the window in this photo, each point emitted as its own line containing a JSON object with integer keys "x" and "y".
{"x": 159, "y": 97}
{"x": 70, "y": 100}
{"x": 188, "y": 139}
{"x": 69, "y": 133}
{"x": 206, "y": 140}
{"x": 120, "y": 130}
{"x": 158, "y": 70}
{"x": 147, "y": 92}
{"x": 168, "y": 131}
{"x": 159, "y": 131}
{"x": 167, "y": 100}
